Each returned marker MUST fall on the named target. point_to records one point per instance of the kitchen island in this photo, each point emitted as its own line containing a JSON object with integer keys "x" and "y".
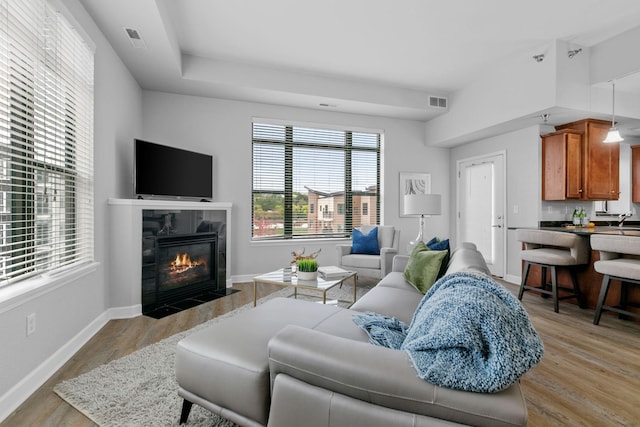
{"x": 630, "y": 230}
{"x": 589, "y": 280}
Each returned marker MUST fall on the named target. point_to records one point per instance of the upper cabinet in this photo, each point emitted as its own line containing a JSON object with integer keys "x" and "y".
{"x": 562, "y": 165}
{"x": 592, "y": 171}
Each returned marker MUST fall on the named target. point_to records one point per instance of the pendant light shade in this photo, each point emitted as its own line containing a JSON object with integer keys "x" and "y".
{"x": 614, "y": 135}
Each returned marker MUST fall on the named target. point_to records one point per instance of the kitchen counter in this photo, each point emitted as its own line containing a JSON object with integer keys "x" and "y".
{"x": 588, "y": 279}
{"x": 630, "y": 230}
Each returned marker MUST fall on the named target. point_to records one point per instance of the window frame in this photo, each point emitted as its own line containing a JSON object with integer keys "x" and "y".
{"x": 315, "y": 208}
{"x": 48, "y": 148}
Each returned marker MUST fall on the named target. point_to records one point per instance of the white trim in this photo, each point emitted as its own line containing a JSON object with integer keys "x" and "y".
{"x": 17, "y": 294}
{"x": 243, "y": 278}
{"x": 160, "y": 203}
{"x": 302, "y": 241}
{"x": 512, "y": 278}
{"x": 125, "y": 312}
{"x": 64, "y": 11}
{"x": 315, "y": 125}
{"x": 20, "y": 392}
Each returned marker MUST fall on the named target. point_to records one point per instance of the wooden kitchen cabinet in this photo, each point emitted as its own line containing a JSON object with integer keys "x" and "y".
{"x": 635, "y": 173}
{"x": 600, "y": 162}
{"x": 562, "y": 165}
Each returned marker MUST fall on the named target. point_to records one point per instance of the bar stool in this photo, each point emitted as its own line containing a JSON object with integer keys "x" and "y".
{"x": 550, "y": 250}
{"x": 614, "y": 266}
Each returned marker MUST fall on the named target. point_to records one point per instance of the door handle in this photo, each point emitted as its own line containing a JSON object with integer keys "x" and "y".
{"x": 497, "y": 225}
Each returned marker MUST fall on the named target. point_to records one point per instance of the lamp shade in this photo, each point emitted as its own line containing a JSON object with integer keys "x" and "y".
{"x": 422, "y": 204}
{"x": 613, "y": 136}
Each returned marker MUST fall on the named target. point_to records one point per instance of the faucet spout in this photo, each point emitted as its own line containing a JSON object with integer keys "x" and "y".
{"x": 623, "y": 217}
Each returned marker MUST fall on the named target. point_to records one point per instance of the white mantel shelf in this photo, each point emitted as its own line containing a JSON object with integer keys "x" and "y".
{"x": 125, "y": 234}
{"x": 163, "y": 204}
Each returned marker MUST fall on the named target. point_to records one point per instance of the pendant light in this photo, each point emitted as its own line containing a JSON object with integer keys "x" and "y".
{"x": 613, "y": 135}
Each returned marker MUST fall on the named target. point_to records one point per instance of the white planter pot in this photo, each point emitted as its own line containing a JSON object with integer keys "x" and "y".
{"x": 307, "y": 275}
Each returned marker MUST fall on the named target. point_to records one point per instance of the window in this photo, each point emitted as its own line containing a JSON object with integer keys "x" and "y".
{"x": 299, "y": 168}
{"x": 46, "y": 142}
{"x": 365, "y": 209}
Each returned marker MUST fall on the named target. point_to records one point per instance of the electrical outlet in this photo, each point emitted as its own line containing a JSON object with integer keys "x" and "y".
{"x": 31, "y": 323}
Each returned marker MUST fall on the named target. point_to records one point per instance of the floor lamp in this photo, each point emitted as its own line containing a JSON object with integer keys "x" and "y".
{"x": 421, "y": 204}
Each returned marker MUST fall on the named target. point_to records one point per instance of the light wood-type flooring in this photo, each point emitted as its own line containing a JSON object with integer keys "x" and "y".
{"x": 590, "y": 375}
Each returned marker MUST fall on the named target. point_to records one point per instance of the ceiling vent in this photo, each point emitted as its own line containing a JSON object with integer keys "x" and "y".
{"x": 135, "y": 38}
{"x": 437, "y": 102}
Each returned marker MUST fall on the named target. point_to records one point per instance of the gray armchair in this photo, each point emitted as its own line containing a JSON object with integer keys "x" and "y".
{"x": 375, "y": 266}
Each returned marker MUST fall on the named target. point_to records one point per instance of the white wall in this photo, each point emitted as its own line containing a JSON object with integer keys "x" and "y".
{"x": 71, "y": 313}
{"x": 515, "y": 88}
{"x": 523, "y": 183}
{"x": 223, "y": 128}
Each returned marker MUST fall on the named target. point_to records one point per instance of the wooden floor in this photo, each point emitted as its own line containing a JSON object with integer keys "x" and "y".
{"x": 590, "y": 375}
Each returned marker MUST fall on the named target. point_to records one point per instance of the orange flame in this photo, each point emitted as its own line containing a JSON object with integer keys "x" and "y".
{"x": 183, "y": 263}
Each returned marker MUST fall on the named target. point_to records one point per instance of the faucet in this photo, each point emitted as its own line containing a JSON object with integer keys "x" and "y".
{"x": 623, "y": 217}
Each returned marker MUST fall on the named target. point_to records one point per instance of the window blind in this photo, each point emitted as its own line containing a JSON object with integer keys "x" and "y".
{"x": 313, "y": 182}
{"x": 46, "y": 142}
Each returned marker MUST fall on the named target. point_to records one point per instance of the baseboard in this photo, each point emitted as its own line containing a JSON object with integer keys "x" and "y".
{"x": 243, "y": 278}
{"x": 125, "y": 312}
{"x": 512, "y": 279}
{"x": 12, "y": 399}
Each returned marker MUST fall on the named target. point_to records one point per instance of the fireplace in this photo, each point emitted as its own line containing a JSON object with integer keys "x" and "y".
{"x": 183, "y": 261}
{"x": 186, "y": 265}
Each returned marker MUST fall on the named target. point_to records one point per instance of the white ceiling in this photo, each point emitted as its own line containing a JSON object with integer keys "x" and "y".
{"x": 346, "y": 53}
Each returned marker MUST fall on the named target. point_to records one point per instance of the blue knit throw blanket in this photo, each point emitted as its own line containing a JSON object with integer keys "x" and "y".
{"x": 468, "y": 333}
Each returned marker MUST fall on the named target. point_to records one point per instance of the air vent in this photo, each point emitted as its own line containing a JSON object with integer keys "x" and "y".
{"x": 135, "y": 38}
{"x": 437, "y": 102}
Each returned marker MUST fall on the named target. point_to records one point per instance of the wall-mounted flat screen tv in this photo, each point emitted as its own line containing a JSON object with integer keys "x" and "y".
{"x": 168, "y": 171}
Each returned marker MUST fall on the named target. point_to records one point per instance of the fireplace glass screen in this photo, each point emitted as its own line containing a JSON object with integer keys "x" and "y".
{"x": 183, "y": 265}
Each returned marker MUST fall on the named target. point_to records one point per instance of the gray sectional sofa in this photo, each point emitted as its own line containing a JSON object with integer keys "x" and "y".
{"x": 290, "y": 363}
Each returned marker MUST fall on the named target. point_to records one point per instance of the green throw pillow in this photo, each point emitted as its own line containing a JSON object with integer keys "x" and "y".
{"x": 423, "y": 267}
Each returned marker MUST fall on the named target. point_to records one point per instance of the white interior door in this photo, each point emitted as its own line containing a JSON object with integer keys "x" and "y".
{"x": 481, "y": 217}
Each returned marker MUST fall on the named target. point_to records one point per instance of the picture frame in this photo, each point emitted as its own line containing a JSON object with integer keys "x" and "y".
{"x": 413, "y": 183}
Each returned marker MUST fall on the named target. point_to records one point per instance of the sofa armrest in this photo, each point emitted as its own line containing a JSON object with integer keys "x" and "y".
{"x": 343, "y": 249}
{"x": 384, "y": 377}
{"x": 400, "y": 263}
{"x": 358, "y": 369}
{"x": 386, "y": 260}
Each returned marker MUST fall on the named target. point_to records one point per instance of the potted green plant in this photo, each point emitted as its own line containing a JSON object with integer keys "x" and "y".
{"x": 307, "y": 269}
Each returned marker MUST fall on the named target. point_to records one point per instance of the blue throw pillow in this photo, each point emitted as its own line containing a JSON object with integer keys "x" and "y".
{"x": 438, "y": 245}
{"x": 366, "y": 244}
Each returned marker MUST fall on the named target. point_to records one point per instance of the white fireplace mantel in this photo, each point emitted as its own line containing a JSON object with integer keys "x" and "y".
{"x": 125, "y": 243}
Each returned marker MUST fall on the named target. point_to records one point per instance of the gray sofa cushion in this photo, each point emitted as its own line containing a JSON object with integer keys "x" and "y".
{"x": 361, "y": 261}
{"x": 233, "y": 353}
{"x": 380, "y": 377}
{"x": 393, "y": 296}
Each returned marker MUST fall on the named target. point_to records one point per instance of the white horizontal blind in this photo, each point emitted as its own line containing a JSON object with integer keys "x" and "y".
{"x": 312, "y": 182}
{"x": 46, "y": 142}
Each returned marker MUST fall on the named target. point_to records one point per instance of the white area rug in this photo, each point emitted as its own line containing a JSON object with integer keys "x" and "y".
{"x": 141, "y": 390}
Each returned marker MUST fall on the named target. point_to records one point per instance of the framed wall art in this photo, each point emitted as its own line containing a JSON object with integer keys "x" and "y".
{"x": 413, "y": 183}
